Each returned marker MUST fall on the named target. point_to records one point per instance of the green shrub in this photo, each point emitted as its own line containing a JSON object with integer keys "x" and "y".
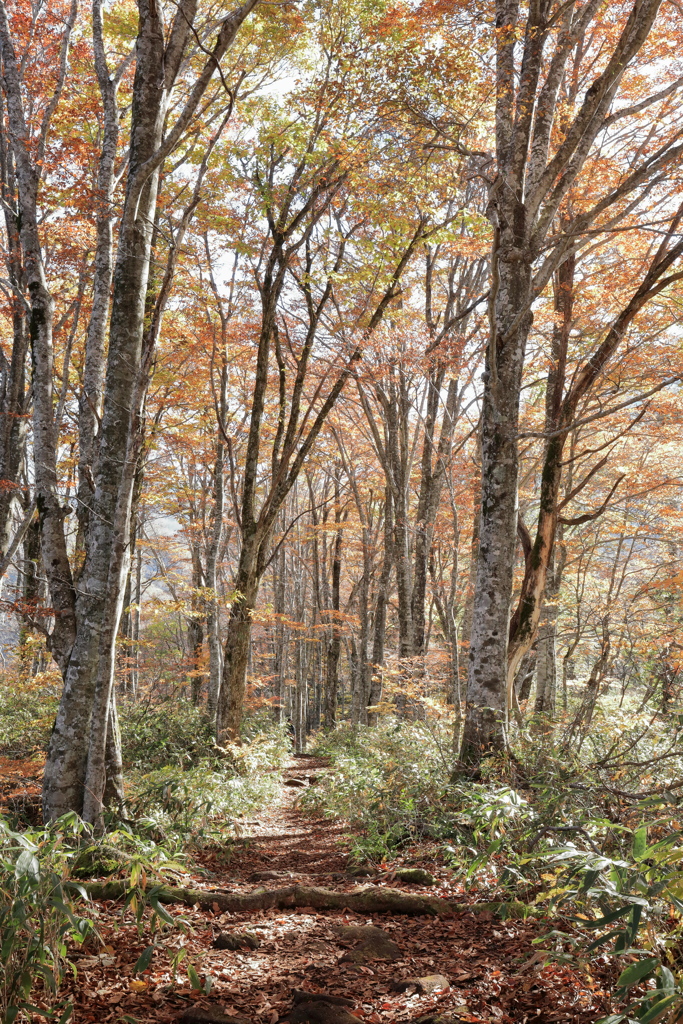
{"x": 208, "y": 796}
{"x": 155, "y": 735}
{"x": 393, "y": 785}
{"x": 27, "y": 712}
{"x": 626, "y": 907}
{"x": 385, "y": 782}
{"x": 37, "y": 918}
{"x": 42, "y": 910}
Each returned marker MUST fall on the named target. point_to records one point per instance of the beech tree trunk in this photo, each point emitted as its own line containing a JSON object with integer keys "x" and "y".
{"x": 51, "y": 514}
{"x": 525, "y": 198}
{"x": 333, "y": 646}
{"x": 76, "y": 769}
{"x": 397, "y": 411}
{"x": 380, "y": 611}
{"x": 486, "y": 722}
{"x": 528, "y": 612}
{"x": 238, "y": 636}
{"x": 195, "y": 629}
{"x": 435, "y": 458}
{"x": 546, "y": 675}
{"x": 90, "y": 400}
{"x": 466, "y": 627}
{"x": 13, "y": 418}
{"x": 546, "y": 672}
{"x": 280, "y": 637}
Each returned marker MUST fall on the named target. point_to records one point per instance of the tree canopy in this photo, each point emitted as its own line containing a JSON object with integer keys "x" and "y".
{"x": 340, "y": 363}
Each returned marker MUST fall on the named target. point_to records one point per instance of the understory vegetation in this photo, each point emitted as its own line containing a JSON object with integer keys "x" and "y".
{"x": 589, "y": 838}
{"x": 585, "y": 834}
{"x": 340, "y": 413}
{"x": 184, "y": 795}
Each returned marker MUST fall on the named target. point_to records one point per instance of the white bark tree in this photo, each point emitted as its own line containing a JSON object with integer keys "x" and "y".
{"x": 86, "y": 617}
{"x": 541, "y": 151}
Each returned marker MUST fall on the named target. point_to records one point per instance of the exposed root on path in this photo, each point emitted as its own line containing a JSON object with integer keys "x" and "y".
{"x": 367, "y": 899}
{"x": 278, "y": 930}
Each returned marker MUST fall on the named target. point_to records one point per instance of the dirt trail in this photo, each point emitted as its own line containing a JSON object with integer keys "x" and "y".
{"x": 482, "y": 962}
{"x": 481, "y": 968}
{"x": 281, "y": 839}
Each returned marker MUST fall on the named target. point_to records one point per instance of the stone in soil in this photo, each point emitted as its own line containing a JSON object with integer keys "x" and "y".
{"x": 236, "y": 940}
{"x": 428, "y": 984}
{"x": 415, "y": 876}
{"x": 372, "y": 944}
{"x": 320, "y": 1008}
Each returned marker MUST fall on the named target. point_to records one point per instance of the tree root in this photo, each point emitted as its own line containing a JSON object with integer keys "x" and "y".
{"x": 368, "y": 899}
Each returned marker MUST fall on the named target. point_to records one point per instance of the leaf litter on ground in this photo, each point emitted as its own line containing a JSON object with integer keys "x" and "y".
{"x": 492, "y": 967}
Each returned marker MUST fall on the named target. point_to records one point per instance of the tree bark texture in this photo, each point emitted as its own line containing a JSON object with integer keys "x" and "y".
{"x": 333, "y": 645}
{"x": 75, "y": 773}
{"x": 380, "y": 610}
{"x": 435, "y": 459}
{"x": 90, "y": 401}
{"x": 525, "y": 197}
{"x": 486, "y": 723}
{"x": 13, "y": 407}
{"x": 78, "y": 745}
{"x": 55, "y": 558}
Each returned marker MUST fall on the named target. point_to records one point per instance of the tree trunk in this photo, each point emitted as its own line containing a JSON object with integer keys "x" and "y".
{"x": 486, "y": 721}
{"x": 356, "y": 681}
{"x": 195, "y": 643}
{"x": 75, "y": 773}
{"x": 527, "y": 615}
{"x": 468, "y": 609}
{"x": 333, "y": 651}
{"x": 546, "y": 676}
{"x": 584, "y": 714}
{"x": 195, "y": 629}
{"x": 13, "y": 418}
{"x": 135, "y": 626}
{"x": 90, "y": 400}
{"x": 236, "y": 655}
{"x": 75, "y": 770}
{"x": 51, "y": 514}
{"x": 534, "y": 175}
{"x": 364, "y": 666}
{"x": 435, "y": 458}
{"x": 125, "y": 636}
{"x": 85, "y": 624}
{"x": 113, "y": 790}
{"x": 33, "y": 593}
{"x": 380, "y": 616}
{"x": 215, "y": 539}
{"x": 397, "y": 413}
{"x": 525, "y": 675}
{"x": 280, "y": 633}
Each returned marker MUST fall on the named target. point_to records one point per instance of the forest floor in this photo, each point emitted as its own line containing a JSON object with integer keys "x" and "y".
{"x": 473, "y": 967}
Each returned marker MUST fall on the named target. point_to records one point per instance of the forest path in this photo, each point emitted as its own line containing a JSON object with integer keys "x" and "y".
{"x": 307, "y": 966}
{"x": 472, "y": 967}
{"x": 281, "y": 839}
